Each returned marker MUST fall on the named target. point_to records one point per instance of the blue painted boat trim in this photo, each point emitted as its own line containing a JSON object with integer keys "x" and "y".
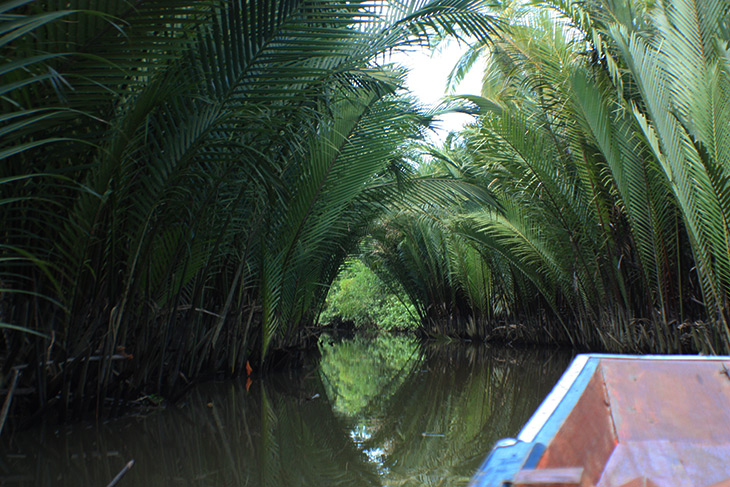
{"x": 512, "y": 455}
{"x": 554, "y": 399}
{"x": 504, "y": 461}
{"x": 566, "y": 405}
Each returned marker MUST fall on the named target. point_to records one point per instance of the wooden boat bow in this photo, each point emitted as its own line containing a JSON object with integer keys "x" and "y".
{"x": 624, "y": 421}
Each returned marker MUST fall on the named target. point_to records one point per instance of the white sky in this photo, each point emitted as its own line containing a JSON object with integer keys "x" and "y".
{"x": 427, "y": 76}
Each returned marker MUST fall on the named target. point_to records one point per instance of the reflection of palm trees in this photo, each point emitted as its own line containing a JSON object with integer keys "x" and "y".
{"x": 472, "y": 396}
{"x": 185, "y": 178}
{"x": 361, "y": 370}
{"x": 220, "y": 436}
{"x": 276, "y": 434}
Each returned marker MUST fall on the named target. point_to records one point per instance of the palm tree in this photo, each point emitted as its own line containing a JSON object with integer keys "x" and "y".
{"x": 600, "y": 136}
{"x": 182, "y": 180}
{"x": 680, "y": 71}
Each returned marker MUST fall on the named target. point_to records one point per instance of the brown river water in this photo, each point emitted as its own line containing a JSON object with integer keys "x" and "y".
{"x": 377, "y": 411}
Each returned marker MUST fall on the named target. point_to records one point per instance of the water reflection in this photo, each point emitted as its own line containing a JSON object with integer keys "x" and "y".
{"x": 452, "y": 403}
{"x": 360, "y": 370}
{"x": 381, "y": 411}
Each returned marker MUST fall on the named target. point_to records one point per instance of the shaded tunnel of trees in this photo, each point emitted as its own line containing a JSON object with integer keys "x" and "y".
{"x": 182, "y": 180}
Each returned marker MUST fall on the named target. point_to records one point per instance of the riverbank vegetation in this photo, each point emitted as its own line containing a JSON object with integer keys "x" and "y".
{"x": 602, "y": 136}
{"x": 359, "y": 298}
{"x": 182, "y": 180}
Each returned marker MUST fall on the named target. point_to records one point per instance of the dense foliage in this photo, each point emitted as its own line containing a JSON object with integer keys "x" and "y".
{"x": 602, "y": 135}
{"x": 360, "y": 298}
{"x": 182, "y": 179}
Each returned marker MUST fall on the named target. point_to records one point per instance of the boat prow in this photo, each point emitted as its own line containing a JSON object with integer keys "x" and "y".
{"x": 623, "y": 421}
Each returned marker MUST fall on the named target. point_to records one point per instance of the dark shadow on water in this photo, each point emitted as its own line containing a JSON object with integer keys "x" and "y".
{"x": 375, "y": 411}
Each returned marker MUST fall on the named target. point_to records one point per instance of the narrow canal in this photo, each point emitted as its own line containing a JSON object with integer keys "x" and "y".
{"x": 379, "y": 411}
